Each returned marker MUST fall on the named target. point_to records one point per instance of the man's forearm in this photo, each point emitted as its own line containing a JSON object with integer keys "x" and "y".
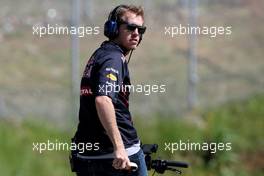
{"x": 106, "y": 113}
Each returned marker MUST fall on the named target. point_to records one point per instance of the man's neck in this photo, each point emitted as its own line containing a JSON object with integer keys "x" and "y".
{"x": 125, "y": 51}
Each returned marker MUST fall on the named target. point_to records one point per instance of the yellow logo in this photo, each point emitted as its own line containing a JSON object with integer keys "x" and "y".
{"x": 111, "y": 76}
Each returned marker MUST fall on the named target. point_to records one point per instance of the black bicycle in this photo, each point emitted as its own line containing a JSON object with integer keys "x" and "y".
{"x": 159, "y": 165}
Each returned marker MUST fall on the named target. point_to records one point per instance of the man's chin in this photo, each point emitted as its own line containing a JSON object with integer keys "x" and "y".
{"x": 131, "y": 47}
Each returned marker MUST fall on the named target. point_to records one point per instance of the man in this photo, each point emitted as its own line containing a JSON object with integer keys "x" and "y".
{"x": 105, "y": 123}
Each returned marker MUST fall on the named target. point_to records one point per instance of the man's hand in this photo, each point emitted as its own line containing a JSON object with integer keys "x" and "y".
{"x": 121, "y": 160}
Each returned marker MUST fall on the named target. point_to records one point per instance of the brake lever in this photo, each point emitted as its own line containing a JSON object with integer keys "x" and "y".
{"x": 174, "y": 170}
{"x": 133, "y": 166}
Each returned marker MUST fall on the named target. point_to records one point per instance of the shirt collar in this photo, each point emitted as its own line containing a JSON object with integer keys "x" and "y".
{"x": 114, "y": 45}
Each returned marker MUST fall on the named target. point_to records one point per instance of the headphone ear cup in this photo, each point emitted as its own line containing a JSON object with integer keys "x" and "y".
{"x": 110, "y": 29}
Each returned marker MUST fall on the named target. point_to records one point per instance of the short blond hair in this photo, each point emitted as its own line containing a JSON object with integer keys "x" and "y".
{"x": 122, "y": 9}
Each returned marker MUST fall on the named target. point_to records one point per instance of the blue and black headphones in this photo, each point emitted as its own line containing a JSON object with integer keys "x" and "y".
{"x": 111, "y": 25}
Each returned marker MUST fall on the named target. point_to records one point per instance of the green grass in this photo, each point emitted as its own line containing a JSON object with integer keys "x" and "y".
{"x": 17, "y": 155}
{"x": 240, "y": 123}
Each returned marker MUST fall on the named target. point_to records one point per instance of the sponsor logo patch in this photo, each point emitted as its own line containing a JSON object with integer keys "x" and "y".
{"x": 111, "y": 76}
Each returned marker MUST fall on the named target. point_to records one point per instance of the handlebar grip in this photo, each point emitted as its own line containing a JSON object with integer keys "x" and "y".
{"x": 177, "y": 164}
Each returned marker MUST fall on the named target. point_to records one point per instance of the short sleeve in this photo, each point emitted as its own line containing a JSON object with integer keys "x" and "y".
{"x": 108, "y": 79}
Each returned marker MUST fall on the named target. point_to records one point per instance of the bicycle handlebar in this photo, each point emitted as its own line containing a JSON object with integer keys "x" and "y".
{"x": 159, "y": 165}
{"x": 177, "y": 164}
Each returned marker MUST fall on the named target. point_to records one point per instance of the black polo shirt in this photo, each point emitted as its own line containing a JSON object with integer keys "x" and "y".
{"x": 106, "y": 73}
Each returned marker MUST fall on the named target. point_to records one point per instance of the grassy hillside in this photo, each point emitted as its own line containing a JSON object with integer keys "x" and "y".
{"x": 240, "y": 123}
{"x": 34, "y": 68}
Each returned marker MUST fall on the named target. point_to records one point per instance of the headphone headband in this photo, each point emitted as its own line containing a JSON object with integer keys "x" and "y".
{"x": 113, "y": 14}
